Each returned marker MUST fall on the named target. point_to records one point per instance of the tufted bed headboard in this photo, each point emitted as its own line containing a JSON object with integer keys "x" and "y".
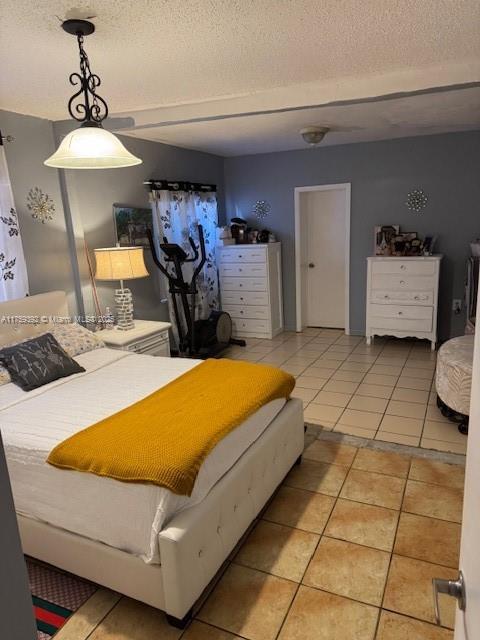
{"x": 29, "y": 317}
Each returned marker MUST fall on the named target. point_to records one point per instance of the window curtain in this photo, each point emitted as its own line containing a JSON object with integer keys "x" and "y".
{"x": 13, "y": 271}
{"x": 178, "y": 209}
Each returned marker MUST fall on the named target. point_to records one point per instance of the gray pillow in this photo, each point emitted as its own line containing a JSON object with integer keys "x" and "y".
{"x": 36, "y": 362}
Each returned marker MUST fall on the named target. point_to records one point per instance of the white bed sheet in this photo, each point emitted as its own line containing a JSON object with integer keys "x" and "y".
{"x": 124, "y": 515}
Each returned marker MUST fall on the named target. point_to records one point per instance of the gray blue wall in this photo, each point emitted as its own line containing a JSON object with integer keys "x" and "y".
{"x": 85, "y": 206}
{"x": 91, "y": 195}
{"x": 381, "y": 174}
{"x": 45, "y": 245}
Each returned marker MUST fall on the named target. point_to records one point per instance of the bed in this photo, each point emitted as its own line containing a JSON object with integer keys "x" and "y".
{"x": 141, "y": 540}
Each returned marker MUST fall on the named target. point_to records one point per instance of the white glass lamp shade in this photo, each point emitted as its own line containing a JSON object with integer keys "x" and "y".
{"x": 120, "y": 263}
{"x": 91, "y": 147}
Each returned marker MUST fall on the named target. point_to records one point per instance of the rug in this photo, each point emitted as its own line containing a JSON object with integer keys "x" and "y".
{"x": 56, "y": 595}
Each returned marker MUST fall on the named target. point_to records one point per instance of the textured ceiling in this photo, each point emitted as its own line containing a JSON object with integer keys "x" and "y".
{"x": 152, "y": 53}
{"x": 437, "y": 112}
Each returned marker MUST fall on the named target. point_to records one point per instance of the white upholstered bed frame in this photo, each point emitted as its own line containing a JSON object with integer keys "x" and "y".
{"x": 196, "y": 542}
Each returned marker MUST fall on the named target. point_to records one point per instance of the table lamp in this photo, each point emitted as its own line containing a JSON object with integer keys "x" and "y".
{"x": 121, "y": 263}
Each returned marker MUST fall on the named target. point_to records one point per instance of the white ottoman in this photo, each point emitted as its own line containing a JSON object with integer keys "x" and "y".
{"x": 453, "y": 378}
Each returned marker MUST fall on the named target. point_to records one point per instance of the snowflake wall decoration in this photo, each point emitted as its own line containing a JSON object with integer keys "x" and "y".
{"x": 417, "y": 200}
{"x": 261, "y": 209}
{"x": 40, "y": 204}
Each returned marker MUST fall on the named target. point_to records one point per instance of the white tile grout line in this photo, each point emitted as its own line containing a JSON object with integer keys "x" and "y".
{"x": 383, "y": 348}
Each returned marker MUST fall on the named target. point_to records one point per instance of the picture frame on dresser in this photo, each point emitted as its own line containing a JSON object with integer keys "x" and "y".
{"x": 402, "y": 297}
{"x": 383, "y": 237}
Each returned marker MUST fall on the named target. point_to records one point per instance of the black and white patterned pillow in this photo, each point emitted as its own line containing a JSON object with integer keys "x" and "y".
{"x": 72, "y": 337}
{"x": 36, "y": 362}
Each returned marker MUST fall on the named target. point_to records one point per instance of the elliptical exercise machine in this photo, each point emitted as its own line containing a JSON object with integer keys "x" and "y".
{"x": 196, "y": 338}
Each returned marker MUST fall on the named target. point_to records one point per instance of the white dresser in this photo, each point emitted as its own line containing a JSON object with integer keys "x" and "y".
{"x": 148, "y": 336}
{"x": 251, "y": 288}
{"x": 402, "y": 297}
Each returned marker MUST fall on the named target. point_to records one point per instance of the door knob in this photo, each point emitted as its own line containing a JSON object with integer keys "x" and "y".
{"x": 310, "y": 265}
{"x": 454, "y": 588}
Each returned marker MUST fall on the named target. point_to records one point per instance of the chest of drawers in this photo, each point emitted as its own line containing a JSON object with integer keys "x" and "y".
{"x": 251, "y": 288}
{"x": 402, "y": 297}
{"x": 147, "y": 337}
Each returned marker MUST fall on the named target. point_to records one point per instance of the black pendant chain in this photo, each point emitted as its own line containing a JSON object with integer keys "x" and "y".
{"x": 91, "y": 108}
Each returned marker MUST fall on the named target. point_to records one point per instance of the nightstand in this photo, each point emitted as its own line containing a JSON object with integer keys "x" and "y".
{"x": 148, "y": 336}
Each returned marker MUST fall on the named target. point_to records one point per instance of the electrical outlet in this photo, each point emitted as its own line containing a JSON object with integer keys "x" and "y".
{"x": 457, "y": 306}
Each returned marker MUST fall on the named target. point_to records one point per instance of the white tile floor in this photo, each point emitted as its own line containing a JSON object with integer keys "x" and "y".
{"x": 385, "y": 391}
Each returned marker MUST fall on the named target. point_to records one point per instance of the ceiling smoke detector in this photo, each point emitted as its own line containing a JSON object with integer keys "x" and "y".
{"x": 314, "y": 135}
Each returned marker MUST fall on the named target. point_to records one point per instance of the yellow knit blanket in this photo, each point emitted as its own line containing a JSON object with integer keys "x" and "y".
{"x": 164, "y": 438}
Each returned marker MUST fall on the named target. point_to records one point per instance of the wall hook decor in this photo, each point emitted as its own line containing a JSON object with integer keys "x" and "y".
{"x": 40, "y": 205}
{"x": 416, "y": 200}
{"x": 261, "y": 209}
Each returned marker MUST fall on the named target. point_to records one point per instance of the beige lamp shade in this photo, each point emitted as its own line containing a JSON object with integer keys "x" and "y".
{"x": 120, "y": 263}
{"x": 91, "y": 148}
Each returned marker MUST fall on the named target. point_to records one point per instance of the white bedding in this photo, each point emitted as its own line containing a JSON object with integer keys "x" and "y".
{"x": 124, "y": 515}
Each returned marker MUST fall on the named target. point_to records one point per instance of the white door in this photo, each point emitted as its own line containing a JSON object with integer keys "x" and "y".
{"x": 467, "y": 625}
{"x": 323, "y": 219}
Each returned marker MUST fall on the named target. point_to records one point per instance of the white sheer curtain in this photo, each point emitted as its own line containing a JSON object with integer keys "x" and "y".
{"x": 13, "y": 271}
{"x": 176, "y": 215}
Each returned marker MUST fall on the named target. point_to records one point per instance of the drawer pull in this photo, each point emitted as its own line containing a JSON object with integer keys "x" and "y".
{"x": 241, "y": 298}
{"x": 240, "y": 255}
{"x": 386, "y": 297}
{"x": 402, "y": 266}
{"x": 416, "y": 298}
{"x": 240, "y": 285}
{"x": 402, "y": 281}
{"x": 400, "y": 313}
{"x": 240, "y": 269}
{"x": 241, "y": 312}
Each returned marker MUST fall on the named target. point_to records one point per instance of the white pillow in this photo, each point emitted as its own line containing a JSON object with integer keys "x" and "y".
{"x": 72, "y": 337}
{"x": 75, "y": 339}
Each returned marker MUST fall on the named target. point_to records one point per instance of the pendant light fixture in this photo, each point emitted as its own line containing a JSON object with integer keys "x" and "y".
{"x": 90, "y": 146}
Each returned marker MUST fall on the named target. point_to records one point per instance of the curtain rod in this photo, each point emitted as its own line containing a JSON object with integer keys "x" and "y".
{"x": 6, "y": 138}
{"x": 179, "y": 185}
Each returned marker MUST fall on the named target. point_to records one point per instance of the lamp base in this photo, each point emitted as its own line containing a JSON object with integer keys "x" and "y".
{"x": 124, "y": 309}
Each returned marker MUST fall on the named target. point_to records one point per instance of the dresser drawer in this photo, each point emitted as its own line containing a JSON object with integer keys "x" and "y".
{"x": 245, "y": 254}
{"x": 403, "y": 283}
{"x": 243, "y": 284}
{"x": 244, "y": 297}
{"x": 151, "y": 345}
{"x": 407, "y": 267}
{"x": 401, "y": 317}
{"x": 424, "y": 298}
{"x": 241, "y": 327}
{"x": 243, "y": 269}
{"x": 246, "y": 311}
{"x": 160, "y": 350}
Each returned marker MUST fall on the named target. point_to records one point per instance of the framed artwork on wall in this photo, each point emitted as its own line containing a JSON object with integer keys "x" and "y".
{"x": 131, "y": 224}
